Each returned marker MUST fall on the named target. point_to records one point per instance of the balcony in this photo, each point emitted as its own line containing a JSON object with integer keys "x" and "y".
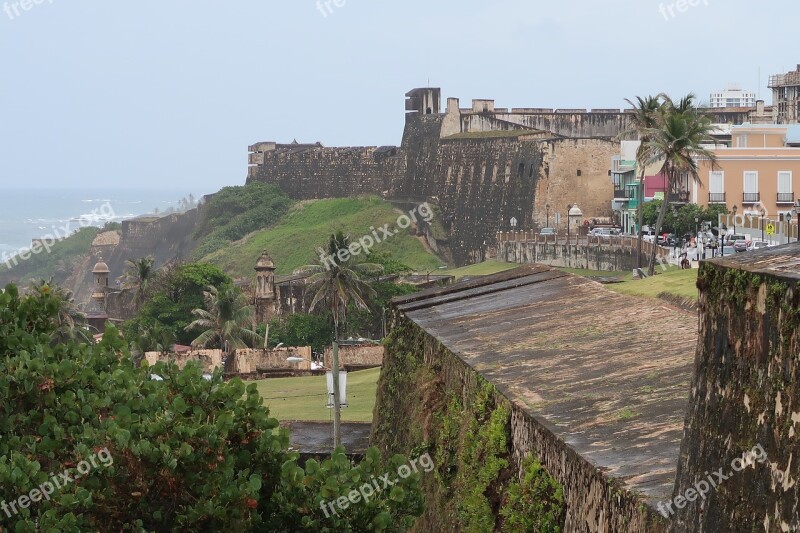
{"x": 751, "y": 197}
{"x": 785, "y": 198}
{"x": 681, "y": 197}
{"x": 716, "y": 197}
{"x": 620, "y": 195}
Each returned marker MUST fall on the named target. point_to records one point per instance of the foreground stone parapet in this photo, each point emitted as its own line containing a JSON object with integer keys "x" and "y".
{"x": 745, "y": 397}
{"x": 591, "y": 383}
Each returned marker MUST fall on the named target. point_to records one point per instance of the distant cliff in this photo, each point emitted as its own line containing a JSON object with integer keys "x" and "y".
{"x": 166, "y": 239}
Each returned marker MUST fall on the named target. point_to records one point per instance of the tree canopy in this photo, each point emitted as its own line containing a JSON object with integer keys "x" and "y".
{"x": 180, "y": 454}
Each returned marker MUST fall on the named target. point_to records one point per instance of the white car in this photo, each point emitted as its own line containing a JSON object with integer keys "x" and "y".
{"x": 758, "y": 245}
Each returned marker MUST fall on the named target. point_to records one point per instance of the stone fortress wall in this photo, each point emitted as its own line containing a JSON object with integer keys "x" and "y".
{"x": 480, "y": 165}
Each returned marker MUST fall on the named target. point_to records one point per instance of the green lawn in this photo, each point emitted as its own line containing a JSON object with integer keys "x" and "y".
{"x": 294, "y": 240}
{"x": 480, "y": 269}
{"x": 678, "y": 282}
{"x": 304, "y": 398}
{"x": 595, "y": 273}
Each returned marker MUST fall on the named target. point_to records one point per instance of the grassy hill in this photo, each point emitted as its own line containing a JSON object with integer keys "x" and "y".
{"x": 292, "y": 242}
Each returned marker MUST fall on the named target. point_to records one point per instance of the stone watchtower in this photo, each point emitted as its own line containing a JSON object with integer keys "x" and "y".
{"x": 265, "y": 288}
{"x": 100, "y": 274}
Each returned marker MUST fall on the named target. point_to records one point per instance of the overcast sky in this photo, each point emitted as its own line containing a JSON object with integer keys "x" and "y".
{"x": 150, "y": 93}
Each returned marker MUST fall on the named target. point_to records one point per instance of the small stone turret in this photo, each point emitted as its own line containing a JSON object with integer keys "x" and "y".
{"x": 265, "y": 288}
{"x": 100, "y": 273}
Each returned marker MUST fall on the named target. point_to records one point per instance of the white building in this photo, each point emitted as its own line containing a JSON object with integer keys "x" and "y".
{"x": 733, "y": 96}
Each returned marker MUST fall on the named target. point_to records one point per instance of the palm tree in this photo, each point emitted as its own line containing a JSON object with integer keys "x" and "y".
{"x": 644, "y": 118}
{"x": 228, "y": 321}
{"x": 154, "y": 338}
{"x": 69, "y": 322}
{"x": 138, "y": 277}
{"x": 677, "y": 143}
{"x": 338, "y": 282}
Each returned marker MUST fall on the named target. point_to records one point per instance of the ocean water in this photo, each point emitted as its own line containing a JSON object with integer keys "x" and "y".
{"x": 41, "y": 213}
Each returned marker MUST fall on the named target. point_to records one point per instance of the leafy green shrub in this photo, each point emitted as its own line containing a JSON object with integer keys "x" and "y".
{"x": 186, "y": 454}
{"x": 536, "y": 503}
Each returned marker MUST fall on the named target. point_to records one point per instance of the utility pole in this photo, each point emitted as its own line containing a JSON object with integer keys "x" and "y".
{"x": 337, "y": 407}
{"x": 640, "y": 221}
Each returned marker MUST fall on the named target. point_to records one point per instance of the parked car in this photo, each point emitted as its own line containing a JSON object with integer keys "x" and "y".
{"x": 759, "y": 245}
{"x": 605, "y": 233}
{"x": 547, "y": 232}
{"x": 741, "y": 245}
{"x": 730, "y": 240}
{"x": 669, "y": 239}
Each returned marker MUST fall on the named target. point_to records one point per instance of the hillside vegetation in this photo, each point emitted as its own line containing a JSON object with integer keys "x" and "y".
{"x": 292, "y": 241}
{"x": 59, "y": 263}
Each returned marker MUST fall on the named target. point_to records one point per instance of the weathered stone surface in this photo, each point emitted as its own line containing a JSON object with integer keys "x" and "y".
{"x": 745, "y": 393}
{"x": 596, "y": 382}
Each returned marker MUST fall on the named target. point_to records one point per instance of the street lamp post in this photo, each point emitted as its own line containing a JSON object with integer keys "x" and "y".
{"x": 795, "y": 212}
{"x": 547, "y": 207}
{"x": 696, "y": 227}
{"x": 569, "y": 207}
{"x": 763, "y": 214}
{"x": 735, "y": 209}
{"x": 797, "y": 209}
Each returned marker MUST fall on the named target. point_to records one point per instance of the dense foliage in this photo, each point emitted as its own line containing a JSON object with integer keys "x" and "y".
{"x": 369, "y": 323}
{"x": 176, "y": 292}
{"x": 682, "y": 221}
{"x": 301, "y": 329}
{"x": 234, "y": 212}
{"x": 182, "y": 454}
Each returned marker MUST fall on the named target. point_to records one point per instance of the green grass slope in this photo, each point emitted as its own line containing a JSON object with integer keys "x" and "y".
{"x": 293, "y": 241}
{"x": 682, "y": 283}
{"x": 304, "y": 398}
{"x": 480, "y": 269}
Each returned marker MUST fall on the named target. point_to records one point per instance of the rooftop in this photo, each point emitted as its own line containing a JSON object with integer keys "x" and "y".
{"x": 608, "y": 374}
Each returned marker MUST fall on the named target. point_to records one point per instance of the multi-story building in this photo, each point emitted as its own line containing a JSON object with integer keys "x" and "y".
{"x": 626, "y": 176}
{"x": 760, "y": 170}
{"x": 786, "y": 96}
{"x": 733, "y": 96}
{"x": 626, "y": 185}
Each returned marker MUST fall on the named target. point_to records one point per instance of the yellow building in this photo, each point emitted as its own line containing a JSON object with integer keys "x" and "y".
{"x": 760, "y": 170}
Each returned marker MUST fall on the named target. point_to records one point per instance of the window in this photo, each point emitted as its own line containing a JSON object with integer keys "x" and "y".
{"x": 716, "y": 187}
{"x": 785, "y": 194}
{"x": 751, "y": 188}
{"x": 751, "y": 182}
{"x": 784, "y": 182}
